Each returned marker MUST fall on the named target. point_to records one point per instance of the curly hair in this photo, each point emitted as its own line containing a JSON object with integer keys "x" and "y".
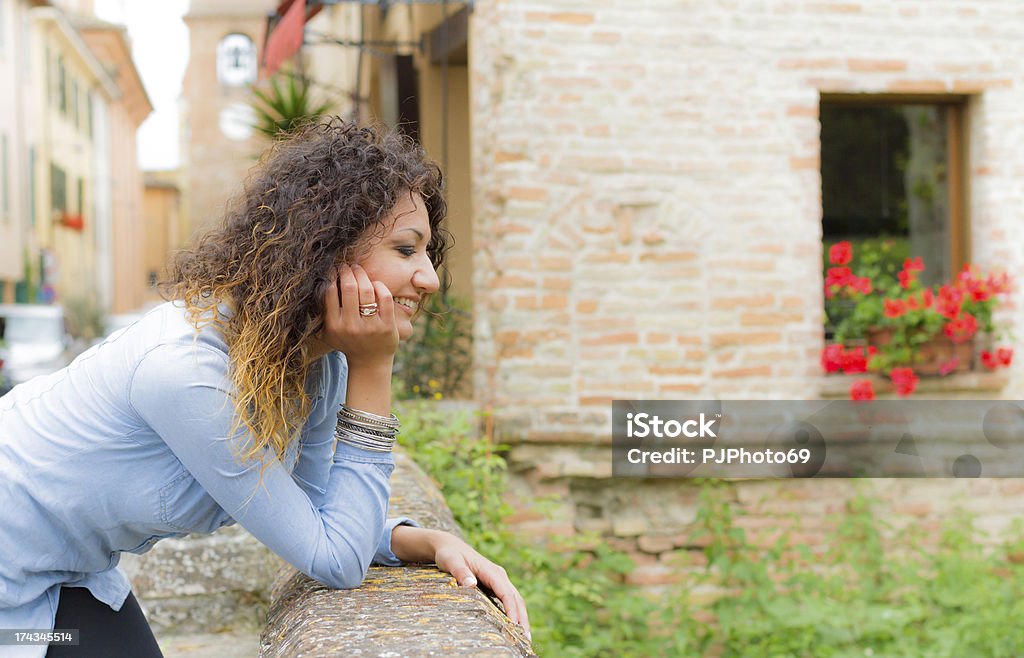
{"x": 313, "y": 201}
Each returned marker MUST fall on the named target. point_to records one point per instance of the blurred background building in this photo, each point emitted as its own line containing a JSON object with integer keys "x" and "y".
{"x": 71, "y": 188}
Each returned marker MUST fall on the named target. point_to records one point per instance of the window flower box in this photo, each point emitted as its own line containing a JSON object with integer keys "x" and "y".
{"x": 899, "y": 328}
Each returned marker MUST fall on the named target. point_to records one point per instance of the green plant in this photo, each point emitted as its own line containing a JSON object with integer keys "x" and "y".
{"x": 286, "y": 103}
{"x": 869, "y": 589}
{"x": 578, "y": 603}
{"x": 885, "y": 320}
{"x": 861, "y": 595}
{"x": 84, "y": 317}
{"x": 436, "y": 362}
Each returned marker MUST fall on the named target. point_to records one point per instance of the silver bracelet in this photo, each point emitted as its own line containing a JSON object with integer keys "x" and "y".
{"x": 375, "y": 444}
{"x": 367, "y": 431}
{"x": 367, "y": 419}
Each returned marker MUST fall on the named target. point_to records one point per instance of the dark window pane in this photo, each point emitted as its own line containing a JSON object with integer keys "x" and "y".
{"x": 884, "y": 175}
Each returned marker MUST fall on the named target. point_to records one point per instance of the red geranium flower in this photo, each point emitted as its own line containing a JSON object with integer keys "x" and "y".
{"x": 915, "y": 264}
{"x": 862, "y": 389}
{"x": 1004, "y": 355}
{"x": 949, "y": 302}
{"x": 906, "y": 277}
{"x": 840, "y": 253}
{"x": 962, "y": 328}
{"x": 832, "y": 358}
{"x": 894, "y": 308}
{"x": 855, "y": 361}
{"x": 904, "y": 380}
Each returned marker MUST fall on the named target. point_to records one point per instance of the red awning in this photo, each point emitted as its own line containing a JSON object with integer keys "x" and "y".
{"x": 286, "y": 38}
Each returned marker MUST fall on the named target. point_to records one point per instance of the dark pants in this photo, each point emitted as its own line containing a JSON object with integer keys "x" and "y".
{"x": 102, "y": 632}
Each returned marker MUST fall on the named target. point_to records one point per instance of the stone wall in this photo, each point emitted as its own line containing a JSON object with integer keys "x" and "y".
{"x": 198, "y": 588}
{"x": 407, "y": 611}
{"x": 648, "y": 214}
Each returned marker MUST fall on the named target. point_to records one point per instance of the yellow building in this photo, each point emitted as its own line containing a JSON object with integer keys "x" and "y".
{"x": 71, "y": 157}
{"x": 123, "y": 280}
{"x": 15, "y": 197}
{"x": 165, "y": 229}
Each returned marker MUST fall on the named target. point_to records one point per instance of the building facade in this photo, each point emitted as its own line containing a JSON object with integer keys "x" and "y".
{"x": 649, "y": 215}
{"x": 123, "y": 281}
{"x": 71, "y": 109}
{"x": 16, "y": 83}
{"x": 71, "y": 184}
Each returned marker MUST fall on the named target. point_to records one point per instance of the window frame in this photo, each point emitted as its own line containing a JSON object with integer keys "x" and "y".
{"x": 957, "y": 164}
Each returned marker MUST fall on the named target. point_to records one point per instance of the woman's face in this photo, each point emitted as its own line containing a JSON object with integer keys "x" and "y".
{"x": 400, "y": 261}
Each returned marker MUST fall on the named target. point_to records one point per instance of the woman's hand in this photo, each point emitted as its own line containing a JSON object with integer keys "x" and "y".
{"x": 458, "y": 558}
{"x": 365, "y": 339}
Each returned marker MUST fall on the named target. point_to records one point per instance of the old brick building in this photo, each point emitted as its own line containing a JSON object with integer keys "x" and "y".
{"x": 648, "y": 216}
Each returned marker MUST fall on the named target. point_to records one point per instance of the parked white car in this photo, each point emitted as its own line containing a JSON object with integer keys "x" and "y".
{"x": 33, "y": 341}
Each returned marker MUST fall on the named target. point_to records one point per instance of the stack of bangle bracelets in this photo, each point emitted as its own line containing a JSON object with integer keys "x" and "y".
{"x": 365, "y": 430}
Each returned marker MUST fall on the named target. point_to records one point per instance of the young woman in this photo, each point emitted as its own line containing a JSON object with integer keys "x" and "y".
{"x": 260, "y": 394}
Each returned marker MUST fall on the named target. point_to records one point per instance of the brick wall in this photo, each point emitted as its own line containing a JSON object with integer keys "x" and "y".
{"x": 647, "y": 196}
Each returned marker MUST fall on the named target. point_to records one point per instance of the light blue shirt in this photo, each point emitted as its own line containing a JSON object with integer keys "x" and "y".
{"x": 131, "y": 443}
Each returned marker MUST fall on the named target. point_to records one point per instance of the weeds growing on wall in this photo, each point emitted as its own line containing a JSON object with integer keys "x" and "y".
{"x": 436, "y": 362}
{"x": 578, "y": 604}
{"x": 860, "y": 596}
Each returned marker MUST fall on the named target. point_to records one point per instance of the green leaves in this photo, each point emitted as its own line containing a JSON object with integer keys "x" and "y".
{"x": 437, "y": 361}
{"x": 287, "y": 104}
{"x": 869, "y": 589}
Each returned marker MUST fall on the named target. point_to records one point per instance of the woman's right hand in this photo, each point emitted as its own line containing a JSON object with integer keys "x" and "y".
{"x": 366, "y": 340}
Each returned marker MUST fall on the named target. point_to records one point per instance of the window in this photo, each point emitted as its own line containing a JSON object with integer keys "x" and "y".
{"x": 58, "y": 189}
{"x": 74, "y": 102}
{"x": 891, "y": 178}
{"x": 30, "y": 188}
{"x": 236, "y": 61}
{"x": 88, "y": 113}
{"x": 62, "y": 86}
{"x": 5, "y": 190}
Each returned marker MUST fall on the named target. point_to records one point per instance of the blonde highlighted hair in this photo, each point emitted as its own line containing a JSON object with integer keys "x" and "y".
{"x": 310, "y": 203}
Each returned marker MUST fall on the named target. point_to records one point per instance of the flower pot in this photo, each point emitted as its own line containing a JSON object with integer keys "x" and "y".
{"x": 938, "y": 356}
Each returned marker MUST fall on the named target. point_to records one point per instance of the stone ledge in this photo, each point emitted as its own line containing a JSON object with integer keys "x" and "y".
{"x": 980, "y": 385}
{"x": 398, "y": 611}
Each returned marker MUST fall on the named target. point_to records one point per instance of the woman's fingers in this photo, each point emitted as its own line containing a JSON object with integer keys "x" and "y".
{"x": 468, "y": 566}
{"x": 349, "y": 293}
{"x": 515, "y": 606}
{"x": 365, "y": 286}
{"x": 346, "y": 329}
{"x": 463, "y": 575}
{"x": 385, "y": 305}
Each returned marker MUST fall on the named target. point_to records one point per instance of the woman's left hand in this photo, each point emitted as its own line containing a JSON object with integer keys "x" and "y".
{"x": 458, "y": 558}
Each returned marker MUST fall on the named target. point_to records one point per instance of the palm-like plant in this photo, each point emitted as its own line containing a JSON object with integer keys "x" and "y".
{"x": 286, "y": 104}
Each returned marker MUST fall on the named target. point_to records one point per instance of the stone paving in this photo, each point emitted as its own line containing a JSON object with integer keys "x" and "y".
{"x": 210, "y": 645}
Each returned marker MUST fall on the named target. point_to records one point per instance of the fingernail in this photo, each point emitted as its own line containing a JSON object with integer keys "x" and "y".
{"x": 529, "y": 636}
{"x": 471, "y": 582}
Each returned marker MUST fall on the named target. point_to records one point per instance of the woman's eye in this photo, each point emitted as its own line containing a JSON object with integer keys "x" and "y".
{"x": 407, "y": 251}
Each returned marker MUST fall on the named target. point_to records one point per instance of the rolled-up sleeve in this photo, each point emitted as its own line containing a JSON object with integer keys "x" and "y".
{"x": 312, "y": 468}
{"x": 182, "y": 393}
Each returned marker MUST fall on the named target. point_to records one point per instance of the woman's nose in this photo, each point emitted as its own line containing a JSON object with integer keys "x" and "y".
{"x": 426, "y": 279}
